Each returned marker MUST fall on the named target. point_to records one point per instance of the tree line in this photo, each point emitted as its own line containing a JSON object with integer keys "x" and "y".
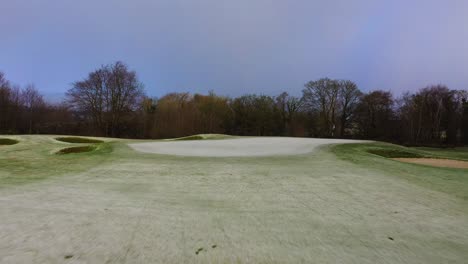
{"x": 111, "y": 102}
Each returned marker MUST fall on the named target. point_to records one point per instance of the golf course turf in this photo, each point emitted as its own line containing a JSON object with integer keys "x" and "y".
{"x": 339, "y": 203}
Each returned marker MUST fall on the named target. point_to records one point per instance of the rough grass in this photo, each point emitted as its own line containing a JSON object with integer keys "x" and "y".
{"x": 7, "y": 141}
{"x": 35, "y": 159}
{"x": 394, "y": 153}
{"x": 459, "y": 153}
{"x": 451, "y": 181}
{"x": 449, "y": 163}
{"x": 80, "y": 149}
{"x": 78, "y": 140}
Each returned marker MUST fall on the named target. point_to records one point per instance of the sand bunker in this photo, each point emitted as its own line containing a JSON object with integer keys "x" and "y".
{"x": 436, "y": 162}
{"x": 241, "y": 147}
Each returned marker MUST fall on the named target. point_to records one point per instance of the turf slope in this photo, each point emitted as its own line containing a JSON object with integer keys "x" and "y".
{"x": 337, "y": 204}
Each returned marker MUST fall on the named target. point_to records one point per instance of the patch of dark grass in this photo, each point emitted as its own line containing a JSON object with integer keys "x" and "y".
{"x": 394, "y": 153}
{"x": 194, "y": 137}
{"x": 7, "y": 141}
{"x": 76, "y": 150}
{"x": 78, "y": 140}
{"x": 199, "y": 250}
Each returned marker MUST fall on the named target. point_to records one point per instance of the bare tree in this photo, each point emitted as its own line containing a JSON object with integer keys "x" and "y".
{"x": 4, "y": 101}
{"x": 110, "y": 101}
{"x": 213, "y": 110}
{"x": 4, "y": 83}
{"x": 123, "y": 94}
{"x": 87, "y": 97}
{"x": 322, "y": 96}
{"x": 288, "y": 106}
{"x": 374, "y": 115}
{"x": 33, "y": 101}
{"x": 429, "y": 104}
{"x": 349, "y": 98}
{"x": 107, "y": 95}
{"x": 10, "y": 105}
{"x": 464, "y": 120}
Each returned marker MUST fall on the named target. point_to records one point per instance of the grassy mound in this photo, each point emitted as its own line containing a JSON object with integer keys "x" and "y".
{"x": 7, "y": 141}
{"x": 194, "y": 137}
{"x": 80, "y": 149}
{"x": 394, "y": 153}
{"x": 78, "y": 140}
{"x": 203, "y": 137}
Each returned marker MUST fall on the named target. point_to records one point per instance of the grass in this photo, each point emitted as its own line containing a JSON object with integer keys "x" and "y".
{"x": 460, "y": 153}
{"x": 394, "y": 153}
{"x": 341, "y": 204}
{"x": 195, "y": 137}
{"x": 35, "y": 160}
{"x": 375, "y": 156}
{"x": 78, "y": 140}
{"x": 7, "y": 141}
{"x": 80, "y": 149}
{"x": 203, "y": 137}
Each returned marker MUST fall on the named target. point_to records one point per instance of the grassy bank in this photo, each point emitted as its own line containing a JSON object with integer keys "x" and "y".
{"x": 377, "y": 156}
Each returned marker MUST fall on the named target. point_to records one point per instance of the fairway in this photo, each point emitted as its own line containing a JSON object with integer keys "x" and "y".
{"x": 238, "y": 200}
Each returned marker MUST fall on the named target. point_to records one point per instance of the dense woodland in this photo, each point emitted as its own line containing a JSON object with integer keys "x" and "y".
{"x": 111, "y": 102}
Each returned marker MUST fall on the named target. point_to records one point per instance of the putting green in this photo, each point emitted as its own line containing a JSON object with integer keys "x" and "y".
{"x": 338, "y": 204}
{"x": 238, "y": 147}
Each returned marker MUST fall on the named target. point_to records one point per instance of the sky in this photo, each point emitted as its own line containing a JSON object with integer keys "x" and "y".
{"x": 238, "y": 46}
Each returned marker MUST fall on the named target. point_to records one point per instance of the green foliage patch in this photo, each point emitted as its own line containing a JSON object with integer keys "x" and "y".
{"x": 7, "y": 141}
{"x": 78, "y": 140}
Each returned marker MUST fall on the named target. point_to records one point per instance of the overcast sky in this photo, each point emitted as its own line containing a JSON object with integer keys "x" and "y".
{"x": 237, "y": 46}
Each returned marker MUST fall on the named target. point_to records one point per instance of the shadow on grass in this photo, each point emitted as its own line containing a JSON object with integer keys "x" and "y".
{"x": 7, "y": 141}
{"x": 78, "y": 140}
{"x": 72, "y": 150}
{"x": 394, "y": 153}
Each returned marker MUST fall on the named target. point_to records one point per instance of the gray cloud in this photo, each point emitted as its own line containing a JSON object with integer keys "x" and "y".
{"x": 235, "y": 47}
